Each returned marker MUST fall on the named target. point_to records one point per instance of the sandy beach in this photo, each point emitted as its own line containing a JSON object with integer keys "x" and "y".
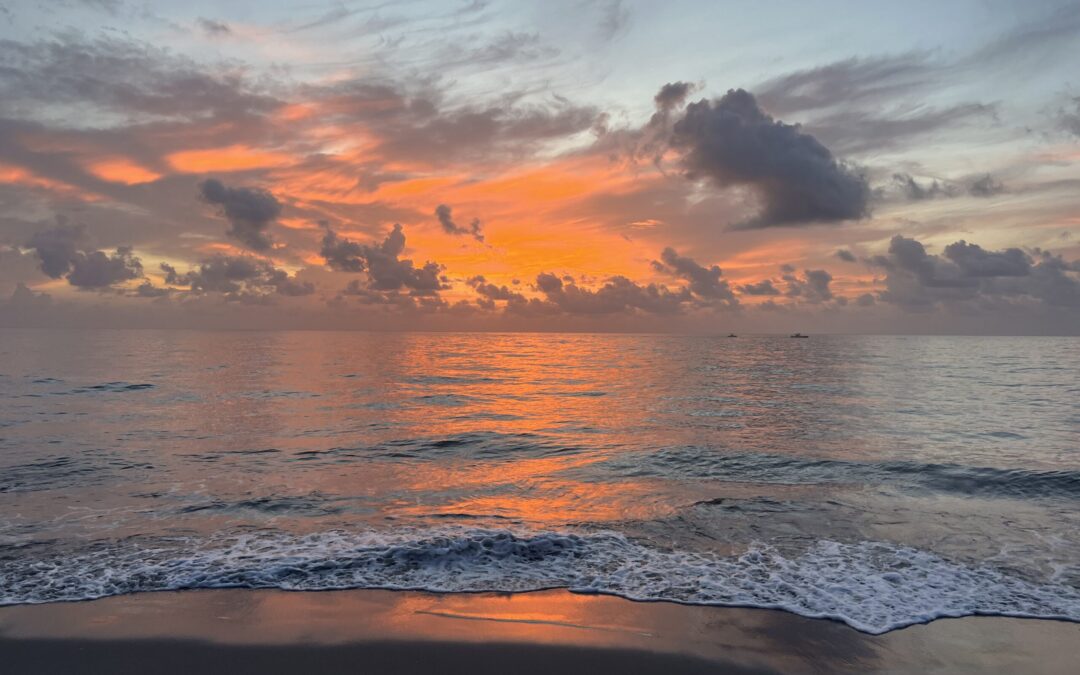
{"x": 242, "y": 631}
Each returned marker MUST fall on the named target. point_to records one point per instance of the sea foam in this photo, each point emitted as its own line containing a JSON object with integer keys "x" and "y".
{"x": 872, "y": 586}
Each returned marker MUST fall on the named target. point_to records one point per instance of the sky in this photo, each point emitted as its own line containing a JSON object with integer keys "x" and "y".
{"x": 681, "y": 166}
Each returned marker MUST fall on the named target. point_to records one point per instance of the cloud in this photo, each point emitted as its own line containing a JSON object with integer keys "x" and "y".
{"x": 617, "y": 295}
{"x": 1069, "y": 118}
{"x": 61, "y": 254}
{"x": 846, "y": 83}
{"x": 242, "y": 277}
{"x": 764, "y": 287}
{"x": 812, "y": 287}
{"x": 213, "y": 28}
{"x": 974, "y": 261}
{"x": 419, "y": 125}
{"x": 614, "y": 20}
{"x": 985, "y": 186}
{"x": 672, "y": 95}
{"x": 854, "y": 131}
{"x": 343, "y": 255}
{"x": 915, "y": 191}
{"x": 733, "y": 142}
{"x": 968, "y": 274}
{"x": 113, "y": 81}
{"x": 845, "y": 255}
{"x": 444, "y": 214}
{"x": 248, "y": 210}
{"x": 386, "y": 271}
{"x": 705, "y": 282}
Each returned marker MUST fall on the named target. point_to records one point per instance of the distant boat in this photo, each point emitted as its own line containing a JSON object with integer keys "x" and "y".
{"x": 732, "y": 335}
{"x": 799, "y": 335}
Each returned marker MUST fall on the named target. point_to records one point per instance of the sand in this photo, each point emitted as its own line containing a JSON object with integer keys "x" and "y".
{"x": 551, "y": 632}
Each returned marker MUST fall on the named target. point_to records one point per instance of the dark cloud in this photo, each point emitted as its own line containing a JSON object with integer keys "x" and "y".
{"x": 966, "y": 273}
{"x": 974, "y": 261}
{"x": 490, "y": 293}
{"x": 672, "y": 95}
{"x": 733, "y": 142}
{"x": 386, "y": 271}
{"x": 60, "y": 251}
{"x": 764, "y": 287}
{"x": 617, "y": 295}
{"x": 343, "y": 255}
{"x": 985, "y": 186}
{"x": 213, "y": 28}
{"x": 916, "y": 191}
{"x": 95, "y": 81}
{"x": 912, "y": 189}
{"x": 845, "y": 255}
{"x": 250, "y": 211}
{"x": 241, "y": 277}
{"x": 445, "y": 215}
{"x": 812, "y": 287}
{"x": 705, "y": 282}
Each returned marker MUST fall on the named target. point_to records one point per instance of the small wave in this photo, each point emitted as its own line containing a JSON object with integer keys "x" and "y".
{"x": 51, "y": 473}
{"x": 703, "y": 463}
{"x": 476, "y": 445}
{"x": 873, "y": 587}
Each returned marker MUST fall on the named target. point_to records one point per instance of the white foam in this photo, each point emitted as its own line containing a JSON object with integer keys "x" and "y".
{"x": 873, "y": 587}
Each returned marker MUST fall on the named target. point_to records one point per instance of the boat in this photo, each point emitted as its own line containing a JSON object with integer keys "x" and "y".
{"x": 799, "y": 335}
{"x": 732, "y": 335}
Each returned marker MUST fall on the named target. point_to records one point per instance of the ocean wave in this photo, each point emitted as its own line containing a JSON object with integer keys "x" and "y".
{"x": 705, "y": 463}
{"x": 874, "y": 587}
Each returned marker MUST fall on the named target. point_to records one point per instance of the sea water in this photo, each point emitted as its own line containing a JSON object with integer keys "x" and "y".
{"x": 879, "y": 481}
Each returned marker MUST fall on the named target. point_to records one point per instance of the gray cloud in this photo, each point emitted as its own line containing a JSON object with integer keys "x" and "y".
{"x": 617, "y": 295}
{"x": 846, "y": 83}
{"x": 812, "y": 287}
{"x": 445, "y": 215}
{"x": 917, "y": 280}
{"x": 1069, "y": 118}
{"x": 733, "y": 142}
{"x": 248, "y": 210}
{"x": 95, "y": 81}
{"x": 213, "y": 28}
{"x": 672, "y": 95}
{"x": 985, "y": 186}
{"x": 343, "y": 255}
{"x": 705, "y": 282}
{"x": 60, "y": 251}
{"x": 845, "y": 255}
{"x": 243, "y": 277}
{"x": 855, "y": 131}
{"x": 764, "y": 287}
{"x": 974, "y": 261}
{"x": 386, "y": 271}
{"x": 419, "y": 124}
{"x": 916, "y": 191}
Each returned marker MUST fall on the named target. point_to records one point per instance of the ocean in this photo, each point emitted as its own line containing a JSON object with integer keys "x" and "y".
{"x": 874, "y": 480}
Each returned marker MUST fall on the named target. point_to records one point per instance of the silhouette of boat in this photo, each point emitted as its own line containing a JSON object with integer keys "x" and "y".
{"x": 799, "y": 335}
{"x": 732, "y": 335}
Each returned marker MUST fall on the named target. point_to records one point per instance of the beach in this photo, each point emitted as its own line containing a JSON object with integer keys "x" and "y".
{"x": 371, "y": 631}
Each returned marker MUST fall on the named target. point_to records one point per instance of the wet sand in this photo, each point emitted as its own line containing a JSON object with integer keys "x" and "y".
{"x": 242, "y": 631}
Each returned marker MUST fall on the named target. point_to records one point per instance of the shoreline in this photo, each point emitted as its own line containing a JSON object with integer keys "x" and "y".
{"x": 271, "y": 631}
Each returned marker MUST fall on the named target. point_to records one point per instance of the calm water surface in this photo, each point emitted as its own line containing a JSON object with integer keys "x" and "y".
{"x": 880, "y": 481}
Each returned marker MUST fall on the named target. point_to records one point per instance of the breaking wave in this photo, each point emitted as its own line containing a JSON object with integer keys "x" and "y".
{"x": 873, "y": 587}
